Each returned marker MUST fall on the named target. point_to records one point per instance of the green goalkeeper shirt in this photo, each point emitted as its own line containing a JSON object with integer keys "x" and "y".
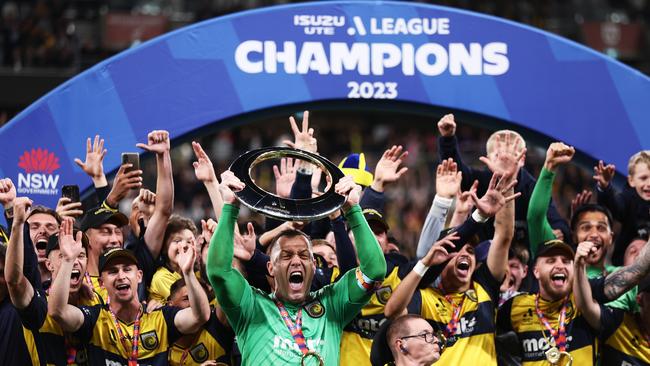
{"x": 262, "y": 335}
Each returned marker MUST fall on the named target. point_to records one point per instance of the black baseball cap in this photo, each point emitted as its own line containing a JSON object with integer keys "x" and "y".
{"x": 373, "y": 215}
{"x": 115, "y": 253}
{"x": 100, "y": 215}
{"x": 53, "y": 242}
{"x": 554, "y": 246}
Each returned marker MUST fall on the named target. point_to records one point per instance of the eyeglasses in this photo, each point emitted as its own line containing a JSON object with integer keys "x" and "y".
{"x": 428, "y": 336}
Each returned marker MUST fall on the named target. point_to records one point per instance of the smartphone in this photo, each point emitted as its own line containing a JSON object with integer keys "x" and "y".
{"x": 133, "y": 159}
{"x": 71, "y": 192}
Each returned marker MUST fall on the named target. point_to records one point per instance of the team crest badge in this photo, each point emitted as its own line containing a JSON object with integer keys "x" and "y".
{"x": 199, "y": 353}
{"x": 383, "y": 294}
{"x": 315, "y": 309}
{"x": 149, "y": 340}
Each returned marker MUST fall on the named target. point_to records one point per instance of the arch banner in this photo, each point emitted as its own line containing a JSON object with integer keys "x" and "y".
{"x": 308, "y": 52}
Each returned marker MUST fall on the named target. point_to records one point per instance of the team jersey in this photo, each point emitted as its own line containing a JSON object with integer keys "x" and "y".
{"x": 104, "y": 347}
{"x": 623, "y": 342}
{"x": 358, "y": 334}
{"x": 17, "y": 346}
{"x": 162, "y": 281}
{"x": 54, "y": 346}
{"x": 264, "y": 339}
{"x": 518, "y": 314}
{"x": 213, "y": 342}
{"x": 473, "y": 343}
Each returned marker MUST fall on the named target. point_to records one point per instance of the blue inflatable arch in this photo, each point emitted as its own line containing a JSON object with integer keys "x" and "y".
{"x": 397, "y": 52}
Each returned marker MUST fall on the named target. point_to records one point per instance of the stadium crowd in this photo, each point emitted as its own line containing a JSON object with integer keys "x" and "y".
{"x": 499, "y": 274}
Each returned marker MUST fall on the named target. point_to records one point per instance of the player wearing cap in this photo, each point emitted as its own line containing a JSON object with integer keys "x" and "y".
{"x": 103, "y": 224}
{"x": 548, "y": 324}
{"x": 292, "y": 323}
{"x": 624, "y": 335}
{"x": 589, "y": 222}
{"x": 121, "y": 332}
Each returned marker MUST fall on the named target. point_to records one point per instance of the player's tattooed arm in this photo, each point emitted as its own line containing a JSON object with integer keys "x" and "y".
{"x": 620, "y": 281}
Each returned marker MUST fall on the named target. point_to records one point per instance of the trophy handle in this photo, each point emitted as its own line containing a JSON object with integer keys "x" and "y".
{"x": 568, "y": 355}
{"x": 280, "y": 208}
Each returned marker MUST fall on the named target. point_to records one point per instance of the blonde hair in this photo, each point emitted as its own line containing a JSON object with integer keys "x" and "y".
{"x": 642, "y": 156}
{"x": 520, "y": 142}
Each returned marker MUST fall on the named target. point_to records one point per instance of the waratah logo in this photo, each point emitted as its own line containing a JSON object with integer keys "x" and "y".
{"x": 38, "y": 164}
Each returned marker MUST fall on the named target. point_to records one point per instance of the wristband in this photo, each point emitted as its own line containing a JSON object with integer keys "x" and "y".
{"x": 476, "y": 215}
{"x": 443, "y": 201}
{"x": 420, "y": 268}
{"x": 365, "y": 282}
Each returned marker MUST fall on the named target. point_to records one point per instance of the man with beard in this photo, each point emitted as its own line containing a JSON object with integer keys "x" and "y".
{"x": 464, "y": 299}
{"x": 624, "y": 335}
{"x": 589, "y": 222}
{"x": 52, "y": 345}
{"x": 121, "y": 332}
{"x": 270, "y": 328}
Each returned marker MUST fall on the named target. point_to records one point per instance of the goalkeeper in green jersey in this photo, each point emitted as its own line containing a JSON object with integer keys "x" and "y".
{"x": 292, "y": 324}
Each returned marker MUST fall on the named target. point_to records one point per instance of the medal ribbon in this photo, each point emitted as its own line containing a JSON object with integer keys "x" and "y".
{"x": 133, "y": 358}
{"x": 559, "y": 335}
{"x": 70, "y": 352}
{"x": 294, "y": 328}
{"x": 452, "y": 326}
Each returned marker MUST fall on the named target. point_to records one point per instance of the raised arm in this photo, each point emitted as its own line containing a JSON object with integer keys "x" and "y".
{"x": 539, "y": 229}
{"x": 94, "y": 164}
{"x": 448, "y": 180}
{"x": 191, "y": 319}
{"x": 504, "y": 226}
{"x": 403, "y": 293}
{"x": 158, "y": 143}
{"x": 372, "y": 263}
{"x": 69, "y": 317}
{"x": 589, "y": 307}
{"x": 204, "y": 171}
{"x": 20, "y": 290}
{"x": 620, "y": 281}
{"x": 229, "y": 285}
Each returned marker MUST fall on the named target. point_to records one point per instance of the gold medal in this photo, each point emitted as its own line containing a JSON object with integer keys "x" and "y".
{"x": 568, "y": 355}
{"x": 312, "y": 354}
{"x": 553, "y": 355}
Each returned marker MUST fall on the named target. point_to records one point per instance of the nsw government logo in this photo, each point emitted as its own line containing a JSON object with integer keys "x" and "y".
{"x": 39, "y": 166}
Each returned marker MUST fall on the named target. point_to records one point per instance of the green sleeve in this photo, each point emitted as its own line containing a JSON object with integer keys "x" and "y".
{"x": 371, "y": 258}
{"x": 539, "y": 229}
{"x": 228, "y": 284}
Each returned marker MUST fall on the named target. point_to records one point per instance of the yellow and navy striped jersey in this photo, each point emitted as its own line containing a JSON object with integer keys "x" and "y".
{"x": 623, "y": 342}
{"x": 356, "y": 341}
{"x": 104, "y": 347}
{"x": 213, "y": 342}
{"x": 50, "y": 342}
{"x": 473, "y": 343}
{"x": 518, "y": 314}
